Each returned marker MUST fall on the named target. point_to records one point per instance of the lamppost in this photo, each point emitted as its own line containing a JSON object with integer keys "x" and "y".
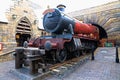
{"x": 117, "y": 56}
{"x": 92, "y": 55}
{"x": 14, "y": 16}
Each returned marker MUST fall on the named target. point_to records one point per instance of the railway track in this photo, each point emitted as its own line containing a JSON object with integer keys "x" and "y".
{"x": 7, "y": 56}
{"x": 42, "y": 70}
{"x": 61, "y": 70}
{"x": 58, "y": 70}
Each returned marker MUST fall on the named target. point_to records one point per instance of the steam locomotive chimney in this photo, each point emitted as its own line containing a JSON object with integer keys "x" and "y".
{"x": 61, "y": 7}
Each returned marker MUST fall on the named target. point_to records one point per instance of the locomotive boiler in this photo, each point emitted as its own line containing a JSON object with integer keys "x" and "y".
{"x": 57, "y": 22}
{"x": 69, "y": 37}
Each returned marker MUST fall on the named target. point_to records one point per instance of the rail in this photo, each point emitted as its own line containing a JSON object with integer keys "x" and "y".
{"x": 61, "y": 70}
{"x": 7, "y": 53}
{"x": 7, "y": 56}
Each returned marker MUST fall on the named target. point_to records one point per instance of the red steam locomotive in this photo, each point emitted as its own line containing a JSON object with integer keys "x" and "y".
{"x": 69, "y": 37}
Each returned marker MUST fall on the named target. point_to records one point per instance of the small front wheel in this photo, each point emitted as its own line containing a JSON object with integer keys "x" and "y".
{"x": 61, "y": 55}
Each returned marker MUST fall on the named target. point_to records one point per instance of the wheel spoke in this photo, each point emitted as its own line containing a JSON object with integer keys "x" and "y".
{"x": 77, "y": 54}
{"x": 61, "y": 55}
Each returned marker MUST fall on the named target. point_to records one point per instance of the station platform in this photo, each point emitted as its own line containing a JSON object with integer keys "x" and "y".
{"x": 103, "y": 67}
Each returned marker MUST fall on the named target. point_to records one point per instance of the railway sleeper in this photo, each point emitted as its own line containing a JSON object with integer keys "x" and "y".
{"x": 66, "y": 69}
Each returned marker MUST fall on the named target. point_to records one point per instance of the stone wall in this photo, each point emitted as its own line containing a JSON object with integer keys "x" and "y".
{"x": 5, "y": 38}
{"x": 107, "y": 16}
{"x": 19, "y": 10}
{"x": 3, "y": 32}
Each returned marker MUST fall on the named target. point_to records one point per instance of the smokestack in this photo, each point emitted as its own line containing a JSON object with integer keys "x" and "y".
{"x": 61, "y": 7}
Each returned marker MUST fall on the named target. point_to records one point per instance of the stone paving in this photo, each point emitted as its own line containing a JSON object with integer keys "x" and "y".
{"x": 102, "y": 68}
{"x": 5, "y": 68}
